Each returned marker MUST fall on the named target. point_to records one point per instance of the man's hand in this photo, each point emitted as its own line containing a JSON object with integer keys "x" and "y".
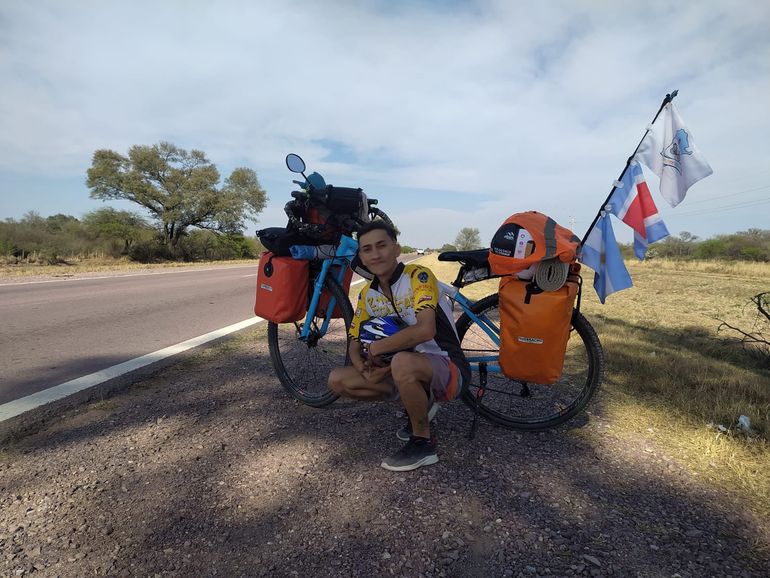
{"x": 375, "y": 371}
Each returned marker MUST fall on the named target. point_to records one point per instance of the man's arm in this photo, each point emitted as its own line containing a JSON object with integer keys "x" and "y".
{"x": 408, "y": 337}
{"x": 354, "y": 351}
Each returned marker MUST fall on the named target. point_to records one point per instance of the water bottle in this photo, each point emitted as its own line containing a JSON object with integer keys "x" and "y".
{"x": 311, "y": 252}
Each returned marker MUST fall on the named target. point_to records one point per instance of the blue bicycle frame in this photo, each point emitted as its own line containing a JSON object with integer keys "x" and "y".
{"x": 344, "y": 253}
{"x": 492, "y": 330}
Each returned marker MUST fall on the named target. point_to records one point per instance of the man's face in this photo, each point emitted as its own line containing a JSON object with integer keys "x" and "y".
{"x": 379, "y": 252}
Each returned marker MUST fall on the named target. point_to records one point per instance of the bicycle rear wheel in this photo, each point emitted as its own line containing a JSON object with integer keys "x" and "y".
{"x": 303, "y": 366}
{"x": 532, "y": 406}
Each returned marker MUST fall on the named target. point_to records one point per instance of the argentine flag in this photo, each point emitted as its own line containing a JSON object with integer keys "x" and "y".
{"x": 602, "y": 254}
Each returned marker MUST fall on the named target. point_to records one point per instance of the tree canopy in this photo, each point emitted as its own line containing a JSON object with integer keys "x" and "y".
{"x": 179, "y": 188}
{"x": 110, "y": 224}
{"x": 468, "y": 239}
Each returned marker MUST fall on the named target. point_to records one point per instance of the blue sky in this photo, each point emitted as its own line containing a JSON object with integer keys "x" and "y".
{"x": 452, "y": 114}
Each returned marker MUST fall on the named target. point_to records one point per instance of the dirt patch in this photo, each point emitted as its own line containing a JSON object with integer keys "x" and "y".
{"x": 212, "y": 470}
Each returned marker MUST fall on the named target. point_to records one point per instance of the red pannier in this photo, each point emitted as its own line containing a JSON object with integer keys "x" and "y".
{"x": 281, "y": 288}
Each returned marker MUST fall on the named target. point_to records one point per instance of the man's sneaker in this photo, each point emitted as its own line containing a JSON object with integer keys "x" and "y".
{"x": 416, "y": 453}
{"x": 405, "y": 432}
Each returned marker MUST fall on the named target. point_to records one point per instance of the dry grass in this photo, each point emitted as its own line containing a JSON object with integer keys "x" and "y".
{"x": 734, "y": 268}
{"x": 669, "y": 372}
{"x": 100, "y": 265}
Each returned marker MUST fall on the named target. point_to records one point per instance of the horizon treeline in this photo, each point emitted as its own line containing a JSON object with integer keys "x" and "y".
{"x": 751, "y": 245}
{"x": 109, "y": 233}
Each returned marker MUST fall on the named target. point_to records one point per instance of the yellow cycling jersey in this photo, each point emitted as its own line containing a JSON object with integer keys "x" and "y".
{"x": 413, "y": 288}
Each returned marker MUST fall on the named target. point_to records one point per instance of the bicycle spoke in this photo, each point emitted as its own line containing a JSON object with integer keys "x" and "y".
{"x": 544, "y": 405}
{"x": 303, "y": 366}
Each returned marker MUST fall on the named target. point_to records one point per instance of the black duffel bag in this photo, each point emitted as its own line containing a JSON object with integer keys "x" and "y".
{"x": 339, "y": 200}
{"x": 278, "y": 240}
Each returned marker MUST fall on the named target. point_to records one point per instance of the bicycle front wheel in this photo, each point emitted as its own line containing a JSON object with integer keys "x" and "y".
{"x": 532, "y": 406}
{"x": 303, "y": 366}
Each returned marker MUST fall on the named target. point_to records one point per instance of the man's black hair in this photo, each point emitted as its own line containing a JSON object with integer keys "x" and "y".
{"x": 379, "y": 224}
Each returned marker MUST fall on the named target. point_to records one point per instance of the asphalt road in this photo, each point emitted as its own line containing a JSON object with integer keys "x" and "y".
{"x": 52, "y": 332}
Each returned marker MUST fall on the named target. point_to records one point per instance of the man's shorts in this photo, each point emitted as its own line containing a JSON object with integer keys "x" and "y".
{"x": 446, "y": 383}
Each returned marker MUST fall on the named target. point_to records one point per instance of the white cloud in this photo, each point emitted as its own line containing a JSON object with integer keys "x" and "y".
{"x": 518, "y": 106}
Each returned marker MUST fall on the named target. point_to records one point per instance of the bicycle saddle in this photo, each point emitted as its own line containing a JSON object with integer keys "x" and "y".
{"x": 475, "y": 258}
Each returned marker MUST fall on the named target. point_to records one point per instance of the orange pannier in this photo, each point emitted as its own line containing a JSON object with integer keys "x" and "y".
{"x": 528, "y": 238}
{"x": 281, "y": 288}
{"x": 534, "y": 329}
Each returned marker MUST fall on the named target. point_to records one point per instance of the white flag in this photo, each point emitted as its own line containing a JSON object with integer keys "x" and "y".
{"x": 669, "y": 151}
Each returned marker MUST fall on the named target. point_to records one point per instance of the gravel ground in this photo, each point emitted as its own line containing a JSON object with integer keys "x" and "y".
{"x": 209, "y": 469}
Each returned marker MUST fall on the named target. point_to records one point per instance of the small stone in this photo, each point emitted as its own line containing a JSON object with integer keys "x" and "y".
{"x": 592, "y": 559}
{"x": 386, "y": 556}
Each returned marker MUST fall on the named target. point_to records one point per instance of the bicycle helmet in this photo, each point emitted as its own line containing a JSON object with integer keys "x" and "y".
{"x": 378, "y": 328}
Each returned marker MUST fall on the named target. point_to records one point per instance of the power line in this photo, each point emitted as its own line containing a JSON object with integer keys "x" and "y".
{"x": 745, "y": 204}
{"x": 729, "y": 195}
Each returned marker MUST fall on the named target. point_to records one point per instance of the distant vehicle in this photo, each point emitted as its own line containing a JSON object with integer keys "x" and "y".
{"x": 421, "y": 251}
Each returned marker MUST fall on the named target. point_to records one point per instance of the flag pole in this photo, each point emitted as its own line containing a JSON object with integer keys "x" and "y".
{"x": 669, "y": 98}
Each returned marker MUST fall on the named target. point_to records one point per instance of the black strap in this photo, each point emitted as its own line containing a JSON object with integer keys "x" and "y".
{"x": 532, "y": 289}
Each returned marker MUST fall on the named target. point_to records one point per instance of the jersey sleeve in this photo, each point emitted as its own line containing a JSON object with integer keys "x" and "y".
{"x": 360, "y": 315}
{"x": 424, "y": 289}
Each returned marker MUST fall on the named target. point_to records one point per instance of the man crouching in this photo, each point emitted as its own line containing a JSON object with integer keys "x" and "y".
{"x": 403, "y": 345}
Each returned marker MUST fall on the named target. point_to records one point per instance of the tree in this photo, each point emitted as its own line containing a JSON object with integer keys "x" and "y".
{"x": 757, "y": 340}
{"x": 178, "y": 188}
{"x": 468, "y": 239}
{"x": 123, "y": 226}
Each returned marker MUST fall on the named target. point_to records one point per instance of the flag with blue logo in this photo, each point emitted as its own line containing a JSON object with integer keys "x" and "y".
{"x": 632, "y": 203}
{"x": 669, "y": 151}
{"x": 601, "y": 252}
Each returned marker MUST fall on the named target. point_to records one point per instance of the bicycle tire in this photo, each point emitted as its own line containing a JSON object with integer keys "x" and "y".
{"x": 507, "y": 402}
{"x": 303, "y": 367}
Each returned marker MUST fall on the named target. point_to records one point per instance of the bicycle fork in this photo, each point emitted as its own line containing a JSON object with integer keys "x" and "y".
{"x": 479, "y": 395}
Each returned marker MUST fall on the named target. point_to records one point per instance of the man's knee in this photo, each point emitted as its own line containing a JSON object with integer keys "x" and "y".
{"x": 406, "y": 368}
{"x": 336, "y": 381}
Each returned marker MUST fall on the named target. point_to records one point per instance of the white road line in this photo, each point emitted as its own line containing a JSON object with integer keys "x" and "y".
{"x": 53, "y": 393}
{"x": 71, "y": 279}
{"x": 19, "y": 406}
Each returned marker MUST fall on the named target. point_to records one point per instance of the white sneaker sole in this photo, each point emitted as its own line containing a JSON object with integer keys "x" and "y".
{"x": 426, "y": 461}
